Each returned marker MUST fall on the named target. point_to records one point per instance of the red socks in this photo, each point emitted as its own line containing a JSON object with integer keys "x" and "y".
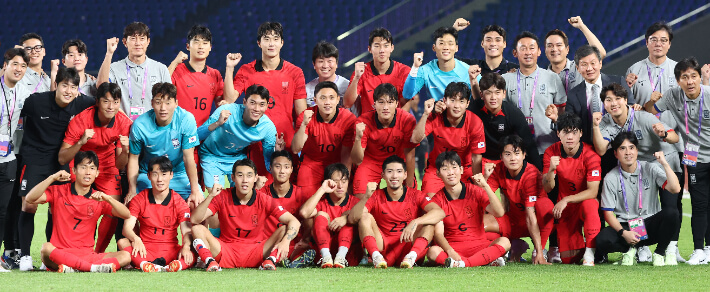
{"x": 370, "y": 244}
{"x": 419, "y": 246}
{"x": 441, "y": 258}
{"x": 345, "y": 236}
{"x": 107, "y": 229}
{"x": 485, "y": 256}
{"x": 61, "y": 257}
{"x": 321, "y": 233}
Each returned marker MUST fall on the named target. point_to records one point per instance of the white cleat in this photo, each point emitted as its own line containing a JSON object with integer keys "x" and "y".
{"x": 408, "y": 261}
{"x": 379, "y": 261}
{"x": 698, "y": 257}
{"x": 499, "y": 262}
{"x": 26, "y": 263}
{"x": 65, "y": 269}
{"x": 340, "y": 262}
{"x": 644, "y": 254}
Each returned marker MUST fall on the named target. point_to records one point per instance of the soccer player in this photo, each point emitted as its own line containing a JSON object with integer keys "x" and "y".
{"x": 571, "y": 176}
{"x": 535, "y": 91}
{"x": 653, "y": 76}
{"x": 389, "y": 221}
{"x": 382, "y": 69}
{"x": 105, "y": 130}
{"x": 455, "y": 129}
{"x": 459, "y": 239}
{"x": 529, "y": 210}
{"x": 136, "y": 74}
{"x": 230, "y": 130}
{"x": 629, "y": 196}
{"x": 501, "y": 118}
{"x": 493, "y": 44}
{"x": 688, "y": 107}
{"x": 35, "y": 79}
{"x": 325, "y": 139}
{"x": 75, "y": 56}
{"x": 284, "y": 81}
{"x": 380, "y": 133}
{"x": 243, "y": 212}
{"x": 159, "y": 211}
{"x": 438, "y": 73}
{"x": 329, "y": 207}
{"x": 77, "y": 207}
{"x": 46, "y": 117}
{"x": 325, "y": 62}
{"x": 166, "y": 130}
{"x": 199, "y": 86}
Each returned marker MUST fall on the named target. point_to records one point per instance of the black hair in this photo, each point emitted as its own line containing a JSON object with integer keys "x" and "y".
{"x": 282, "y": 153}
{"x": 14, "y": 52}
{"x": 111, "y": 88}
{"x": 164, "y": 164}
{"x": 491, "y": 79}
{"x": 29, "y": 36}
{"x": 526, "y": 34}
{"x": 201, "y": 31}
{"x": 385, "y": 90}
{"x": 83, "y": 155}
{"x": 164, "y": 89}
{"x": 333, "y": 168}
{"x": 559, "y": 33}
{"x": 493, "y": 27}
{"x": 136, "y": 28}
{"x": 324, "y": 49}
{"x": 380, "y": 32}
{"x": 660, "y": 25}
{"x": 568, "y": 121}
{"x": 444, "y": 30}
{"x": 616, "y": 89}
{"x": 325, "y": 84}
{"x": 68, "y": 74}
{"x": 80, "y": 47}
{"x": 394, "y": 159}
{"x": 267, "y": 27}
{"x": 513, "y": 140}
{"x": 243, "y": 162}
{"x": 685, "y": 64}
{"x": 449, "y": 157}
{"x": 458, "y": 90}
{"x": 619, "y": 139}
{"x": 256, "y": 89}
{"x": 586, "y": 50}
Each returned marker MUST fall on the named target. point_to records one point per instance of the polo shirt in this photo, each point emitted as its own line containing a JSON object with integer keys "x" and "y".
{"x": 569, "y": 76}
{"x": 435, "y": 80}
{"x": 652, "y": 76}
{"x": 197, "y": 91}
{"x": 340, "y": 81}
{"x": 674, "y": 101}
{"x": 396, "y": 75}
{"x": 154, "y": 71}
{"x": 35, "y": 81}
{"x": 653, "y": 179}
{"x": 13, "y": 102}
{"x": 89, "y": 87}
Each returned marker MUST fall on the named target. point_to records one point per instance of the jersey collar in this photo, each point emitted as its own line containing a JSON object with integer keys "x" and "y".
{"x": 73, "y": 191}
{"x": 520, "y": 174}
{"x": 392, "y": 124}
{"x": 235, "y": 198}
{"x": 192, "y": 70}
{"x": 461, "y": 197}
{"x": 401, "y": 199}
{"x": 377, "y": 73}
{"x": 275, "y": 194}
{"x": 563, "y": 153}
{"x": 97, "y": 121}
{"x": 343, "y": 204}
{"x": 500, "y": 112}
{"x": 448, "y": 124}
{"x": 259, "y": 67}
{"x": 320, "y": 119}
{"x": 165, "y": 202}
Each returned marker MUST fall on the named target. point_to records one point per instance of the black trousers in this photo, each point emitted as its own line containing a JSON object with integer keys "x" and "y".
{"x": 661, "y": 228}
{"x": 699, "y": 188}
{"x": 8, "y": 170}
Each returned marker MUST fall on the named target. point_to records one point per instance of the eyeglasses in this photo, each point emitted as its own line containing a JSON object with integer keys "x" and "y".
{"x": 654, "y": 40}
{"x": 36, "y": 48}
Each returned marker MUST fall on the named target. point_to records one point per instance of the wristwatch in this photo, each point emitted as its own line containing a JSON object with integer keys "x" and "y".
{"x": 664, "y": 135}
{"x": 620, "y": 232}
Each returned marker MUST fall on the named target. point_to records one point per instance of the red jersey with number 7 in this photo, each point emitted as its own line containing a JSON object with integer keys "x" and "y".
{"x": 573, "y": 172}
{"x": 197, "y": 91}
{"x": 74, "y": 216}
{"x": 464, "y": 216}
{"x": 243, "y": 223}
{"x": 159, "y": 222}
{"x": 393, "y": 216}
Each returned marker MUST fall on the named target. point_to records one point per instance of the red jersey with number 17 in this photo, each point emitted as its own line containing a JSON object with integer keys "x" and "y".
{"x": 74, "y": 216}
{"x": 197, "y": 91}
{"x": 380, "y": 142}
{"x": 243, "y": 223}
{"x": 466, "y": 139}
{"x": 573, "y": 173}
{"x": 159, "y": 222}
{"x": 393, "y": 216}
{"x": 326, "y": 140}
{"x": 521, "y": 191}
{"x": 464, "y": 216}
{"x": 291, "y": 202}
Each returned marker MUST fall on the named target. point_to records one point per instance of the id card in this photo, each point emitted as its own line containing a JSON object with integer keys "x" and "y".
{"x": 20, "y": 124}
{"x": 637, "y": 225}
{"x": 530, "y": 125}
{"x": 5, "y": 145}
{"x": 690, "y": 155}
{"x": 135, "y": 112}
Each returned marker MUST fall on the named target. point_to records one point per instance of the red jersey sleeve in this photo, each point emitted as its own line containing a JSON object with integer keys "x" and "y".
{"x": 300, "y": 82}
{"x": 372, "y": 203}
{"x": 241, "y": 79}
{"x": 271, "y": 206}
{"x": 546, "y": 158}
{"x": 349, "y": 130}
{"x": 74, "y": 132}
{"x": 480, "y": 196}
{"x": 494, "y": 179}
{"x": 106, "y": 207}
{"x": 219, "y": 83}
{"x": 216, "y": 203}
{"x": 422, "y": 200}
{"x": 531, "y": 187}
{"x": 50, "y": 194}
{"x": 592, "y": 162}
{"x": 477, "y": 134}
{"x": 408, "y": 129}
{"x": 135, "y": 206}
{"x": 432, "y": 123}
{"x": 182, "y": 210}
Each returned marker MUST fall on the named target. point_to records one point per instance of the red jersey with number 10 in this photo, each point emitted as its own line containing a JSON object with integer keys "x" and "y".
{"x": 573, "y": 173}
{"x": 326, "y": 140}
{"x": 380, "y": 142}
{"x": 464, "y": 216}
{"x": 74, "y": 216}
{"x": 197, "y": 91}
{"x": 159, "y": 222}
{"x": 393, "y": 216}
{"x": 243, "y": 223}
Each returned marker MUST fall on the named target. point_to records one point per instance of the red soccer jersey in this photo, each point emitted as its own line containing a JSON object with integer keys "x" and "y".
{"x": 370, "y": 79}
{"x": 521, "y": 191}
{"x": 244, "y": 223}
{"x": 74, "y": 216}
{"x": 393, "y": 216}
{"x": 384, "y": 142}
{"x": 464, "y": 216}
{"x": 197, "y": 91}
{"x": 285, "y": 84}
{"x": 574, "y": 172}
{"x": 105, "y": 139}
{"x": 159, "y": 222}
{"x": 327, "y": 205}
{"x": 466, "y": 139}
{"x": 291, "y": 202}
{"x": 326, "y": 140}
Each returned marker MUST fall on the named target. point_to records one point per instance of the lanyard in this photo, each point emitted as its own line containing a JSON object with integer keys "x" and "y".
{"x": 145, "y": 79}
{"x": 640, "y": 185}
{"x": 39, "y": 82}
{"x": 658, "y": 81}
{"x": 532, "y": 98}
{"x": 2, "y": 107}
{"x": 566, "y": 81}
{"x": 700, "y": 112}
{"x": 631, "y": 119}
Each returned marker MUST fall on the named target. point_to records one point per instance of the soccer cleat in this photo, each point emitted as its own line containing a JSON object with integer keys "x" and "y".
{"x": 326, "y": 261}
{"x": 408, "y": 261}
{"x": 627, "y": 258}
{"x": 678, "y": 257}
{"x": 534, "y": 254}
{"x": 65, "y": 269}
{"x": 517, "y": 248}
{"x": 11, "y": 262}
{"x": 213, "y": 266}
{"x": 451, "y": 263}
{"x": 174, "y": 266}
{"x": 268, "y": 265}
{"x": 340, "y": 262}
{"x": 304, "y": 260}
{"x": 26, "y": 263}
{"x": 658, "y": 260}
{"x": 553, "y": 255}
{"x": 149, "y": 267}
{"x": 200, "y": 264}
{"x": 105, "y": 268}
{"x": 644, "y": 254}
{"x": 698, "y": 257}
{"x": 379, "y": 261}
{"x": 499, "y": 262}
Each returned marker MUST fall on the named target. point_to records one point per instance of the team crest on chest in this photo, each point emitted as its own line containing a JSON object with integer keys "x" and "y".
{"x": 407, "y": 213}
{"x": 176, "y": 143}
{"x": 90, "y": 211}
{"x": 397, "y": 140}
{"x": 464, "y": 142}
{"x": 579, "y": 172}
{"x": 501, "y": 128}
{"x": 254, "y": 220}
{"x": 338, "y": 138}
{"x": 284, "y": 87}
{"x": 469, "y": 211}
{"x": 167, "y": 220}
{"x": 542, "y": 88}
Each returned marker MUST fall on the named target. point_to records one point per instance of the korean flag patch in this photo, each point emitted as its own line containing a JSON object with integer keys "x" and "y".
{"x": 192, "y": 139}
{"x": 281, "y": 208}
{"x": 595, "y": 173}
{"x": 532, "y": 199}
{"x": 187, "y": 215}
{"x": 481, "y": 145}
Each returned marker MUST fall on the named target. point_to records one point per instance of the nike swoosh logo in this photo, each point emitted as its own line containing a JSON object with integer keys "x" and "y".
{"x": 369, "y": 90}
{"x": 149, "y": 146}
{"x": 67, "y": 204}
{"x": 190, "y": 86}
{"x": 385, "y": 213}
{"x": 447, "y": 215}
{"x": 44, "y": 118}
{"x": 230, "y": 216}
{"x": 439, "y": 137}
{"x": 144, "y": 217}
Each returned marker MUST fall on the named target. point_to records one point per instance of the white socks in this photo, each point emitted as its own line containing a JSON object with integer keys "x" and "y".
{"x": 342, "y": 252}
{"x": 324, "y": 251}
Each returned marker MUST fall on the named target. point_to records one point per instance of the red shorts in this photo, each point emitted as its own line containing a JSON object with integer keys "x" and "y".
{"x": 110, "y": 184}
{"x": 393, "y": 250}
{"x": 431, "y": 183}
{"x": 240, "y": 255}
{"x": 169, "y": 252}
{"x": 512, "y": 228}
{"x": 85, "y": 254}
{"x": 313, "y": 175}
{"x": 469, "y": 248}
{"x": 575, "y": 218}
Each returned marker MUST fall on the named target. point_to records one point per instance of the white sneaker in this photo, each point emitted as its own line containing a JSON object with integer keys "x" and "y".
{"x": 678, "y": 257}
{"x": 26, "y": 263}
{"x": 379, "y": 261}
{"x": 644, "y": 254}
{"x": 499, "y": 262}
{"x": 698, "y": 257}
{"x": 670, "y": 257}
{"x": 553, "y": 255}
{"x": 42, "y": 267}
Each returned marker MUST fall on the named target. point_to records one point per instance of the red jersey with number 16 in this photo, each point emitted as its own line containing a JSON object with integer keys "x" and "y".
{"x": 74, "y": 216}
{"x": 380, "y": 142}
{"x": 393, "y": 216}
{"x": 159, "y": 222}
{"x": 243, "y": 223}
{"x": 573, "y": 173}
{"x": 197, "y": 91}
{"x": 464, "y": 216}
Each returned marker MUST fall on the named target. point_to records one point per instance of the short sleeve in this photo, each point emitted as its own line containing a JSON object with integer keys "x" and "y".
{"x": 560, "y": 98}
{"x": 106, "y": 208}
{"x": 112, "y": 75}
{"x": 481, "y": 197}
{"x": 300, "y": 82}
{"x": 592, "y": 162}
{"x": 241, "y": 79}
{"x": 494, "y": 179}
{"x": 408, "y": 128}
{"x": 349, "y": 131}
{"x": 217, "y": 202}
{"x": 268, "y": 143}
{"x": 531, "y": 187}
{"x": 272, "y": 207}
{"x": 74, "y": 132}
{"x": 136, "y": 140}
{"x": 165, "y": 74}
{"x": 50, "y": 194}
{"x": 659, "y": 175}
{"x": 219, "y": 82}
{"x": 135, "y": 206}
{"x": 665, "y": 103}
{"x": 608, "y": 202}
{"x": 477, "y": 135}
{"x": 372, "y": 203}
{"x": 546, "y": 159}
{"x": 182, "y": 210}
{"x": 189, "y": 131}
{"x": 423, "y": 200}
